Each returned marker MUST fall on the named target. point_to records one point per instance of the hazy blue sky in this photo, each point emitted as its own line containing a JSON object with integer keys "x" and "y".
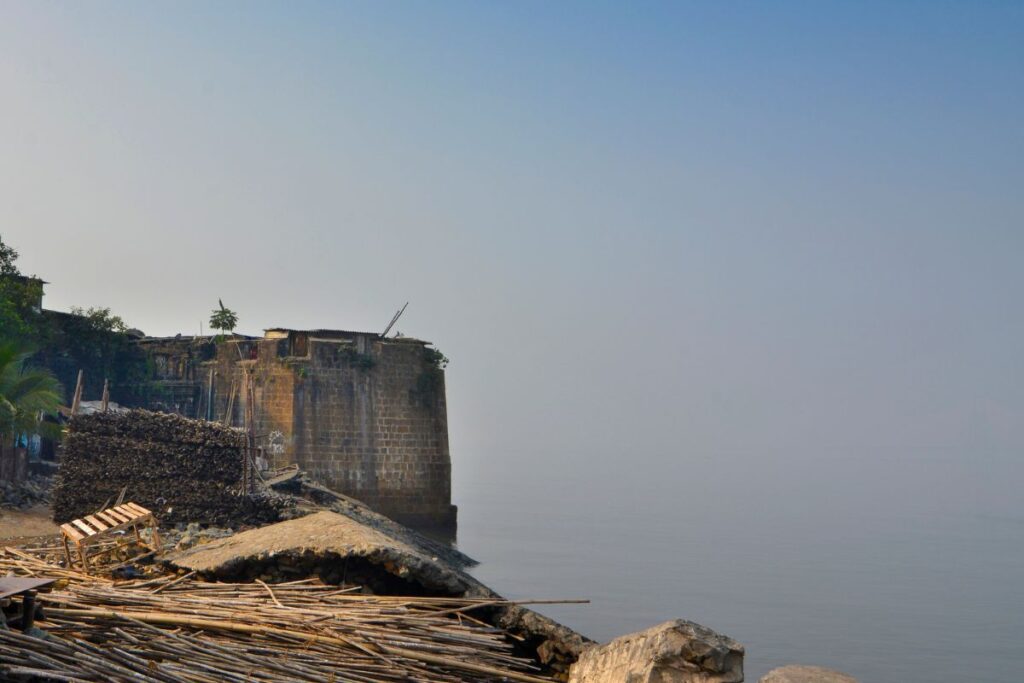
{"x": 782, "y": 241}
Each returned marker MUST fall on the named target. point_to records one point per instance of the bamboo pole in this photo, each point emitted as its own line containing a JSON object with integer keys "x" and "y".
{"x": 78, "y": 393}
{"x": 259, "y": 629}
{"x": 178, "y": 628}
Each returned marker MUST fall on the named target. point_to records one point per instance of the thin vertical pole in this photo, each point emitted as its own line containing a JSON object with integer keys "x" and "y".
{"x": 78, "y": 392}
{"x": 209, "y": 398}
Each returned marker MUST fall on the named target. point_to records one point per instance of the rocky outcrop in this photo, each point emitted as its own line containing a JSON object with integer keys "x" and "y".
{"x": 327, "y": 544}
{"x": 674, "y": 652}
{"x": 799, "y": 673}
{"x": 311, "y": 496}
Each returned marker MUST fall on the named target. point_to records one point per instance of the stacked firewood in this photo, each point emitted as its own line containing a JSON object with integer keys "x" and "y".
{"x": 183, "y": 470}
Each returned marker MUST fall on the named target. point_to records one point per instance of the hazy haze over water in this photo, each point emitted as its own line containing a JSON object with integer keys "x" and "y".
{"x": 731, "y": 291}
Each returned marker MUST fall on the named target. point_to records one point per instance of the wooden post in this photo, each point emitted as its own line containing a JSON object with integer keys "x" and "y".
{"x": 106, "y": 394}
{"x": 78, "y": 392}
{"x": 250, "y": 431}
{"x": 155, "y": 538}
{"x": 229, "y": 413}
{"x": 209, "y": 397}
{"x": 20, "y": 471}
{"x": 67, "y": 550}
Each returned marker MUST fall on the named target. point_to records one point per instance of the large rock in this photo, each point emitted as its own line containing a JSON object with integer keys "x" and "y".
{"x": 674, "y": 652}
{"x": 799, "y": 673}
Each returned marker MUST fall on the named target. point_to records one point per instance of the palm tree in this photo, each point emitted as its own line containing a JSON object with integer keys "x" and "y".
{"x": 26, "y": 394}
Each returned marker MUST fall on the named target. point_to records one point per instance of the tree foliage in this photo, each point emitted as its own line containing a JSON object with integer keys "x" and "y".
{"x": 93, "y": 340}
{"x": 223, "y": 319}
{"x": 7, "y": 258}
{"x": 19, "y": 318}
{"x": 26, "y": 393}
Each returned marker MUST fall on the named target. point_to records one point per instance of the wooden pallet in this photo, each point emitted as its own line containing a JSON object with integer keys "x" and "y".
{"x": 92, "y": 528}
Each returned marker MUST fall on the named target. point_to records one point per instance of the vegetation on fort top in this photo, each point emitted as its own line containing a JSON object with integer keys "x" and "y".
{"x": 223, "y": 319}
{"x": 435, "y": 358}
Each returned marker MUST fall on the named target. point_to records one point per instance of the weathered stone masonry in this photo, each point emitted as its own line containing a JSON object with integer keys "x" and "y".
{"x": 363, "y": 414}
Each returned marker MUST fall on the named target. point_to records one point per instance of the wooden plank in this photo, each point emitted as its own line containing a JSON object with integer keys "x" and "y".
{"x": 71, "y": 532}
{"x": 89, "y": 531}
{"x": 96, "y": 523}
{"x": 119, "y": 516}
{"x": 127, "y": 511}
{"x": 67, "y": 550}
{"x": 139, "y": 515}
{"x": 111, "y": 521}
{"x": 141, "y": 510}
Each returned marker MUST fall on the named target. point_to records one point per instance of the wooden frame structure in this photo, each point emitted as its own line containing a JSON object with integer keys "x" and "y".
{"x": 91, "y": 528}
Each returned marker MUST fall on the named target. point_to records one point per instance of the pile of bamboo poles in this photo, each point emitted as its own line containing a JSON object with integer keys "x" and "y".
{"x": 176, "y": 628}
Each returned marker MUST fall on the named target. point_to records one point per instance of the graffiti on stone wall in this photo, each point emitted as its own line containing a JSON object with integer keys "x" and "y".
{"x": 275, "y": 443}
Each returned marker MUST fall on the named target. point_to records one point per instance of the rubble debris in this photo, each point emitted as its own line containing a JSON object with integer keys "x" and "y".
{"x": 194, "y": 534}
{"x": 184, "y": 470}
{"x": 673, "y": 652}
{"x": 177, "y": 628}
{"x": 18, "y": 495}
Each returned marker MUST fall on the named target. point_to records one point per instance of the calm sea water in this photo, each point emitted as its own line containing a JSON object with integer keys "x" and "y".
{"x": 912, "y": 572}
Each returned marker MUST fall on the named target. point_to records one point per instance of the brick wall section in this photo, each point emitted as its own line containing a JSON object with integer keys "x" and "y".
{"x": 369, "y": 432}
{"x": 365, "y": 416}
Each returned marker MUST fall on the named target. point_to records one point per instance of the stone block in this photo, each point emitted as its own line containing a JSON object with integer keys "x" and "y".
{"x": 673, "y": 652}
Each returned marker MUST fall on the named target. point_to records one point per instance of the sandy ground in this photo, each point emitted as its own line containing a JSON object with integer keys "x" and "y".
{"x": 19, "y": 525}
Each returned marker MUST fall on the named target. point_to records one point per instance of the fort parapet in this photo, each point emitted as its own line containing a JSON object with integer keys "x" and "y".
{"x": 363, "y": 414}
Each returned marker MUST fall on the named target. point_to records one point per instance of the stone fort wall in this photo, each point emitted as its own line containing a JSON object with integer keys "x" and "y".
{"x": 366, "y": 416}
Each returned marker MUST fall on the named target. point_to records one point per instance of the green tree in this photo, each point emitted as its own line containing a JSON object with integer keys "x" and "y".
{"x": 7, "y": 258}
{"x": 26, "y": 394}
{"x": 19, "y": 319}
{"x": 100, "y": 319}
{"x": 93, "y": 340}
{"x": 223, "y": 319}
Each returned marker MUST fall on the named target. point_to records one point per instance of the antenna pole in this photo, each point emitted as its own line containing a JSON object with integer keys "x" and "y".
{"x": 394, "y": 320}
